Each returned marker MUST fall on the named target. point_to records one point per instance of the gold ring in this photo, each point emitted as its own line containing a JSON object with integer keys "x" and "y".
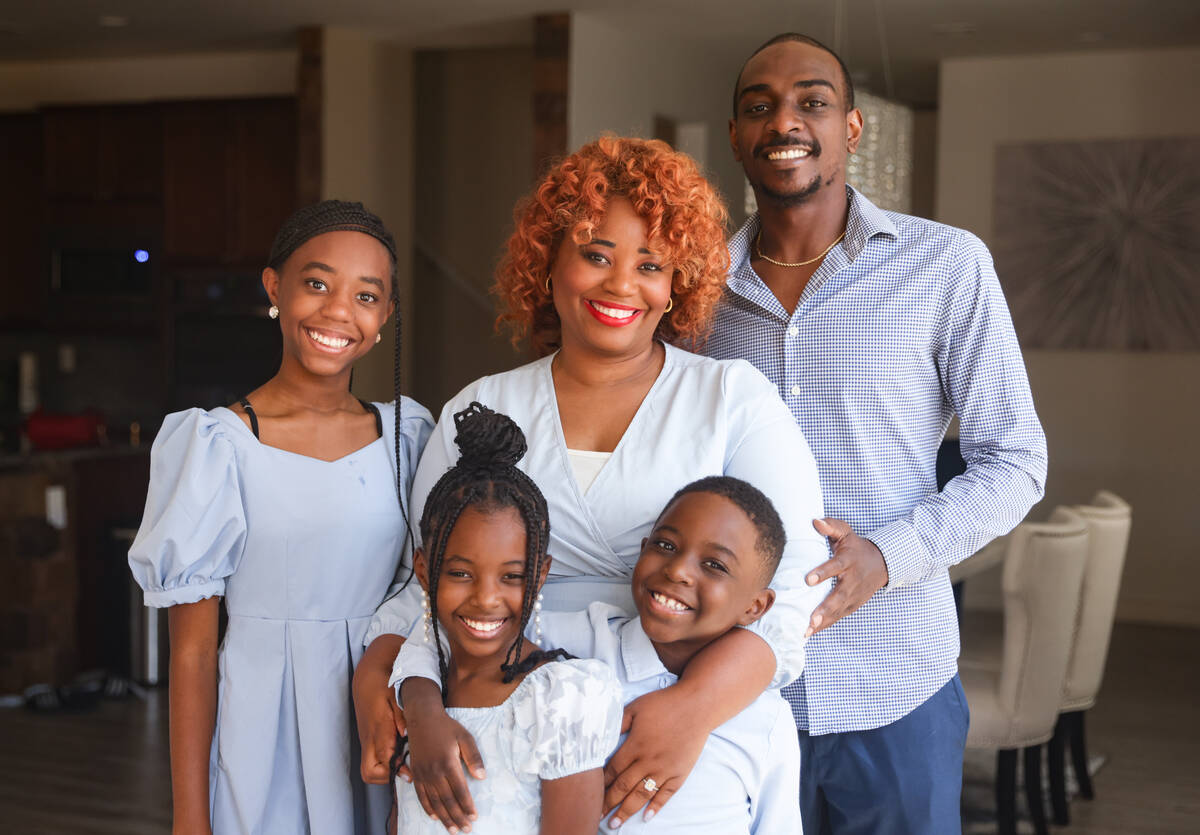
{"x": 649, "y": 785}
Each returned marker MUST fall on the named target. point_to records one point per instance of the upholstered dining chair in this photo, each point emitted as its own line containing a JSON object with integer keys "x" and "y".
{"x": 1014, "y": 698}
{"x": 1108, "y": 520}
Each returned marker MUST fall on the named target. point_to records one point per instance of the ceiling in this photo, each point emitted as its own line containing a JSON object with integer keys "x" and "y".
{"x": 913, "y": 34}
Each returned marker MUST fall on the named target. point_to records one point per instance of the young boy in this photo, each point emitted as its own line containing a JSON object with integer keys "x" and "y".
{"x": 703, "y": 570}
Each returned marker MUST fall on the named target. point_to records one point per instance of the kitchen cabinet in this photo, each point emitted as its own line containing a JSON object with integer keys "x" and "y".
{"x": 103, "y": 154}
{"x": 22, "y": 232}
{"x": 229, "y": 179}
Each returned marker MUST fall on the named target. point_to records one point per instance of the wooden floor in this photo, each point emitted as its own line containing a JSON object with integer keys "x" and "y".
{"x": 105, "y": 771}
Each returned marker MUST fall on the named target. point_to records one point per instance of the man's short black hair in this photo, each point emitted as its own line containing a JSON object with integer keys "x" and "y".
{"x": 770, "y": 538}
{"x": 796, "y": 37}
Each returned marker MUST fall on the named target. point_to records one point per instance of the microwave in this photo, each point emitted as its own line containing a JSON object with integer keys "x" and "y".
{"x": 110, "y": 272}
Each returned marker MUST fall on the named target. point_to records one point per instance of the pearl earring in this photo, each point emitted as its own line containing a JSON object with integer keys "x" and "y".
{"x": 378, "y": 338}
{"x": 537, "y": 619}
{"x": 428, "y": 617}
{"x": 273, "y": 312}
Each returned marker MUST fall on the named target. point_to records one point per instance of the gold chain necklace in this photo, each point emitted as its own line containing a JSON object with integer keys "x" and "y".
{"x": 761, "y": 254}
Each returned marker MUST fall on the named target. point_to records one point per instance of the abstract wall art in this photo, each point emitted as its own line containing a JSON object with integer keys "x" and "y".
{"x": 1097, "y": 244}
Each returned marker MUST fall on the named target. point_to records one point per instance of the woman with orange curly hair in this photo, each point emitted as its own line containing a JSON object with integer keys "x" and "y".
{"x": 617, "y": 255}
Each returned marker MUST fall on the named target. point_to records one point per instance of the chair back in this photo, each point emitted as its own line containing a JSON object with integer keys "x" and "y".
{"x": 1108, "y": 519}
{"x": 1043, "y": 572}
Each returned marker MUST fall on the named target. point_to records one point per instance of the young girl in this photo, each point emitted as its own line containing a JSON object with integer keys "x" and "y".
{"x": 544, "y": 729}
{"x": 285, "y": 505}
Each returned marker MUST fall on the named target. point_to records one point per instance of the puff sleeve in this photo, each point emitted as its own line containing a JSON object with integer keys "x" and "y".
{"x": 570, "y": 713}
{"x": 194, "y": 527}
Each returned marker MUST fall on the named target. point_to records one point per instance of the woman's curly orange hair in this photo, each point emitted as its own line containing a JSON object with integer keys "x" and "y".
{"x": 685, "y": 220}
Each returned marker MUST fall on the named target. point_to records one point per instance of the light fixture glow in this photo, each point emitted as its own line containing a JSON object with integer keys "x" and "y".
{"x": 141, "y": 256}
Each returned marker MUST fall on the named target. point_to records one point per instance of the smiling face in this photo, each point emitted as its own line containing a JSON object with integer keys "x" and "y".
{"x": 699, "y": 575}
{"x": 611, "y": 291}
{"x": 481, "y": 583}
{"x": 333, "y": 295}
{"x": 792, "y": 129}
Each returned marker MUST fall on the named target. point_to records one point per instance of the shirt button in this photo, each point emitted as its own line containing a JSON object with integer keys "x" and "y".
{"x": 793, "y": 330}
{"x": 796, "y": 391}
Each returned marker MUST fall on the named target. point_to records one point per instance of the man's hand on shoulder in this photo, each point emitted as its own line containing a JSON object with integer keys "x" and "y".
{"x": 858, "y": 566}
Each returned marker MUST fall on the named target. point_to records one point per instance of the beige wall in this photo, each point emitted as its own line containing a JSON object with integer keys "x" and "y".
{"x": 474, "y": 146}
{"x": 25, "y": 85}
{"x": 366, "y": 155}
{"x": 622, "y": 75}
{"x": 1121, "y": 421}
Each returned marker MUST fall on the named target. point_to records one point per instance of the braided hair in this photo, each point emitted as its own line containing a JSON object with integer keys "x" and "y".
{"x": 329, "y": 216}
{"x": 486, "y": 478}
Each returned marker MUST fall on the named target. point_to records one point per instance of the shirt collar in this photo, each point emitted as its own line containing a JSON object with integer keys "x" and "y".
{"x": 865, "y": 221}
{"x": 638, "y": 654}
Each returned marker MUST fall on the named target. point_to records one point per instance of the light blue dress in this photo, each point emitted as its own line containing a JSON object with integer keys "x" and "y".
{"x": 303, "y": 551}
{"x": 562, "y": 719}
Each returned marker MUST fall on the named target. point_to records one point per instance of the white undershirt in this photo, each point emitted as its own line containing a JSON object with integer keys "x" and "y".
{"x": 586, "y": 465}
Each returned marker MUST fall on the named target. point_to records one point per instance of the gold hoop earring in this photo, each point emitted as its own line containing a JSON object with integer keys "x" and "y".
{"x": 670, "y": 304}
{"x": 548, "y": 293}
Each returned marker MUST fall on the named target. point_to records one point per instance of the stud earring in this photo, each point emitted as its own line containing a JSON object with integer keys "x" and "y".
{"x": 537, "y": 619}
{"x": 273, "y": 312}
{"x": 378, "y": 338}
{"x": 428, "y": 617}
{"x": 547, "y": 285}
{"x": 670, "y": 304}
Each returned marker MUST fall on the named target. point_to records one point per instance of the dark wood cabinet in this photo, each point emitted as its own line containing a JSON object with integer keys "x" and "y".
{"x": 198, "y": 181}
{"x": 264, "y": 166}
{"x": 103, "y": 154}
{"x": 22, "y": 226}
{"x": 148, "y": 222}
{"x": 230, "y": 179}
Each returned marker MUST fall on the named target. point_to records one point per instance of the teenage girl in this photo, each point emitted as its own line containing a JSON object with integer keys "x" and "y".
{"x": 544, "y": 727}
{"x": 290, "y": 505}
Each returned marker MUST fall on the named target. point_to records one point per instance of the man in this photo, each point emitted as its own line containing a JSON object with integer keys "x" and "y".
{"x": 877, "y": 328}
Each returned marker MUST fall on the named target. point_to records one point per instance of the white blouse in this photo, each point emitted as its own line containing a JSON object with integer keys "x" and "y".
{"x": 562, "y": 719}
{"x": 701, "y": 417}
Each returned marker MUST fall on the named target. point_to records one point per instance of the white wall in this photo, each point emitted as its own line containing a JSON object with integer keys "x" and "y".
{"x": 26, "y": 85}
{"x": 1122, "y": 421}
{"x": 622, "y": 75}
{"x": 367, "y": 155}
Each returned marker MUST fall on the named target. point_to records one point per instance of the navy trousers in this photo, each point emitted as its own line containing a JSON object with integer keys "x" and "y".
{"x": 903, "y": 778}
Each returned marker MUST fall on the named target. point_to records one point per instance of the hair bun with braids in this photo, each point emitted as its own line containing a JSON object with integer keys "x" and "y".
{"x": 486, "y": 438}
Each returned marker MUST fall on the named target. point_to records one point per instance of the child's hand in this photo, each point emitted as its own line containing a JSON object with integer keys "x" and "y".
{"x": 664, "y": 744}
{"x": 376, "y": 713}
{"x": 379, "y": 719}
{"x": 438, "y": 747}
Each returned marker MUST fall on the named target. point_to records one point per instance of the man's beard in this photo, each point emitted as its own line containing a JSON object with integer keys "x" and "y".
{"x": 789, "y": 199}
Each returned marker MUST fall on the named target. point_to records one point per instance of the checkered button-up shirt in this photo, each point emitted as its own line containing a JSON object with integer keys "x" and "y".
{"x": 902, "y": 327}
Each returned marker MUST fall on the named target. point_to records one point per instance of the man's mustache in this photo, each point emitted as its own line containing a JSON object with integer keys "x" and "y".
{"x": 813, "y": 146}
